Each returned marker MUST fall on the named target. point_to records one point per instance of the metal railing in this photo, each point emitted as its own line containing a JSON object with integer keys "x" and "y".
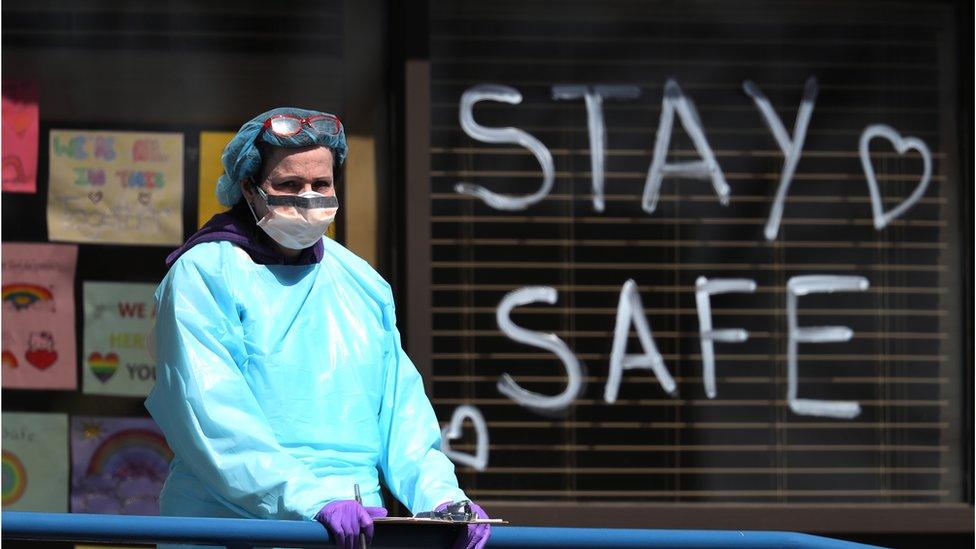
{"x": 246, "y": 533}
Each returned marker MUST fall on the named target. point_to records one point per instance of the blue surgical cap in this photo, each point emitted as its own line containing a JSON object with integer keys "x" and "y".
{"x": 242, "y": 159}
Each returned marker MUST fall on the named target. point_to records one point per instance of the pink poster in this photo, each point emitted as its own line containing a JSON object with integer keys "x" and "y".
{"x": 39, "y": 316}
{"x": 20, "y": 136}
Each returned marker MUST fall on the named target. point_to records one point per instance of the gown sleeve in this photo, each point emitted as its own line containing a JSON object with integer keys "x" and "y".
{"x": 414, "y": 468}
{"x": 207, "y": 411}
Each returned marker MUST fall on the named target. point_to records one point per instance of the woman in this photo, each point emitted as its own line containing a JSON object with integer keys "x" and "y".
{"x": 281, "y": 381}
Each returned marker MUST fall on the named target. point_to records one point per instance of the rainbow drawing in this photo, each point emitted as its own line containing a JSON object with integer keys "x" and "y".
{"x": 14, "y": 478}
{"x": 22, "y": 296}
{"x": 10, "y": 360}
{"x": 127, "y": 444}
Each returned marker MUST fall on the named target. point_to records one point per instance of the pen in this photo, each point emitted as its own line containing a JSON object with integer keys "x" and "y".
{"x": 359, "y": 500}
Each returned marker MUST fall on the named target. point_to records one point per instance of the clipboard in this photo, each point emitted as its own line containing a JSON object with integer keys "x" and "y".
{"x": 434, "y": 521}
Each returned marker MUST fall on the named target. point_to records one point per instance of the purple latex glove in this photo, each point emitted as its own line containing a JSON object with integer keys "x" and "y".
{"x": 345, "y": 519}
{"x": 474, "y": 536}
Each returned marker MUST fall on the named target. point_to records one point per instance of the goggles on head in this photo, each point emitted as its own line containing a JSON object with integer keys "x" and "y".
{"x": 287, "y": 125}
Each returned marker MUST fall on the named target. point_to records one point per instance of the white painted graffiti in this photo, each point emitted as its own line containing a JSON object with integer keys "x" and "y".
{"x": 675, "y": 102}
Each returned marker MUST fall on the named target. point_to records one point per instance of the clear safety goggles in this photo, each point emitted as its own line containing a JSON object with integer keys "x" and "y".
{"x": 305, "y": 200}
{"x": 287, "y": 125}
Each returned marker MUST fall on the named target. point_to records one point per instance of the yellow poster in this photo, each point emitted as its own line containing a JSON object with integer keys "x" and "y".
{"x": 211, "y": 146}
{"x": 115, "y": 187}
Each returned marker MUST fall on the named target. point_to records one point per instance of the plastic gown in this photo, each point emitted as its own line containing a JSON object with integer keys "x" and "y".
{"x": 279, "y": 387}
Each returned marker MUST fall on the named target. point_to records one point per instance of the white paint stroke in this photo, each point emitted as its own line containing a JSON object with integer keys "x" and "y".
{"x": 817, "y": 284}
{"x": 503, "y": 94}
{"x": 631, "y": 310}
{"x": 902, "y": 145}
{"x": 548, "y": 341}
{"x": 791, "y": 148}
{"x": 707, "y": 168}
{"x": 704, "y": 289}
{"x": 479, "y": 460}
{"x": 593, "y": 96}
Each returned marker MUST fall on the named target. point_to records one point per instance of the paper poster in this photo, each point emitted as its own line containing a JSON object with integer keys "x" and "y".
{"x": 39, "y": 316}
{"x": 211, "y": 147}
{"x": 118, "y": 317}
{"x": 35, "y": 462}
{"x": 115, "y": 187}
{"x": 118, "y": 465}
{"x": 20, "y": 122}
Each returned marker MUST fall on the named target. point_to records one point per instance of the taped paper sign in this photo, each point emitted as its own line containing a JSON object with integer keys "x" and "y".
{"x": 211, "y": 147}
{"x": 116, "y": 187}
{"x": 35, "y": 462}
{"x": 118, "y": 317}
{"x": 39, "y": 316}
{"x": 118, "y": 465}
{"x": 21, "y": 116}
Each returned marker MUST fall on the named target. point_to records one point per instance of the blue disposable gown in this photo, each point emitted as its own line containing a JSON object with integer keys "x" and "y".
{"x": 279, "y": 387}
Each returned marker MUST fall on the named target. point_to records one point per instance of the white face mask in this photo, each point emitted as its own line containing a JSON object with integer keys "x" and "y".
{"x": 297, "y": 222}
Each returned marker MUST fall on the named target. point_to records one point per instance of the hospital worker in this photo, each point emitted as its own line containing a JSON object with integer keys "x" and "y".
{"x": 281, "y": 378}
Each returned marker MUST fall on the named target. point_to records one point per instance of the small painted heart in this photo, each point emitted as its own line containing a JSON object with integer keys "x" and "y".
{"x": 902, "y": 145}
{"x": 41, "y": 359}
{"x": 22, "y": 121}
{"x": 479, "y": 460}
{"x": 103, "y": 367}
{"x": 144, "y": 198}
{"x": 95, "y": 196}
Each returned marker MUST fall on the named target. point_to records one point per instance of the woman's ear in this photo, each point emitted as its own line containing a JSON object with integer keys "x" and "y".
{"x": 247, "y": 188}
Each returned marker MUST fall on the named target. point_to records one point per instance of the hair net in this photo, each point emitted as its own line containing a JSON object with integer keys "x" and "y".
{"x": 242, "y": 159}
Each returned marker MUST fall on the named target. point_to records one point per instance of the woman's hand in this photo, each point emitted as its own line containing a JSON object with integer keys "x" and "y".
{"x": 474, "y": 536}
{"x": 346, "y": 519}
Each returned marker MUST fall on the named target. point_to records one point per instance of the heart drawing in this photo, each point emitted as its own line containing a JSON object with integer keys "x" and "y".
{"x": 95, "y": 197}
{"x": 42, "y": 359}
{"x": 40, "y": 350}
{"x": 144, "y": 198}
{"x": 902, "y": 145}
{"x": 103, "y": 367}
{"x": 479, "y": 461}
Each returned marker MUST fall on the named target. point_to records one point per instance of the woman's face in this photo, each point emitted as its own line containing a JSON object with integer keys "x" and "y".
{"x": 293, "y": 171}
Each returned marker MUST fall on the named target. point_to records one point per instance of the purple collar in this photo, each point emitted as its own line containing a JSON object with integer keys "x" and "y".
{"x": 229, "y": 226}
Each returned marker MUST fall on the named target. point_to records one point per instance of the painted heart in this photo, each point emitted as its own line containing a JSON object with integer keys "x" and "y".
{"x": 95, "y": 196}
{"x": 902, "y": 145}
{"x": 479, "y": 461}
{"x": 22, "y": 121}
{"x": 9, "y": 359}
{"x": 42, "y": 359}
{"x": 103, "y": 367}
{"x": 144, "y": 198}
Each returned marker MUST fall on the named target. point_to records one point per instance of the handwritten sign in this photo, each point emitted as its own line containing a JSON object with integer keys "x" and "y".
{"x": 676, "y": 106}
{"x": 115, "y": 187}
{"x": 35, "y": 462}
{"x": 118, "y": 317}
{"x": 118, "y": 465}
{"x": 20, "y": 134}
{"x": 39, "y": 316}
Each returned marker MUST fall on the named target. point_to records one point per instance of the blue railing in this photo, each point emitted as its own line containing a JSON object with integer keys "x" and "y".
{"x": 244, "y": 533}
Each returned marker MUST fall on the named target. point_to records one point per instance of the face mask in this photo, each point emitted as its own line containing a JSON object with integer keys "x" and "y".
{"x": 297, "y": 222}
